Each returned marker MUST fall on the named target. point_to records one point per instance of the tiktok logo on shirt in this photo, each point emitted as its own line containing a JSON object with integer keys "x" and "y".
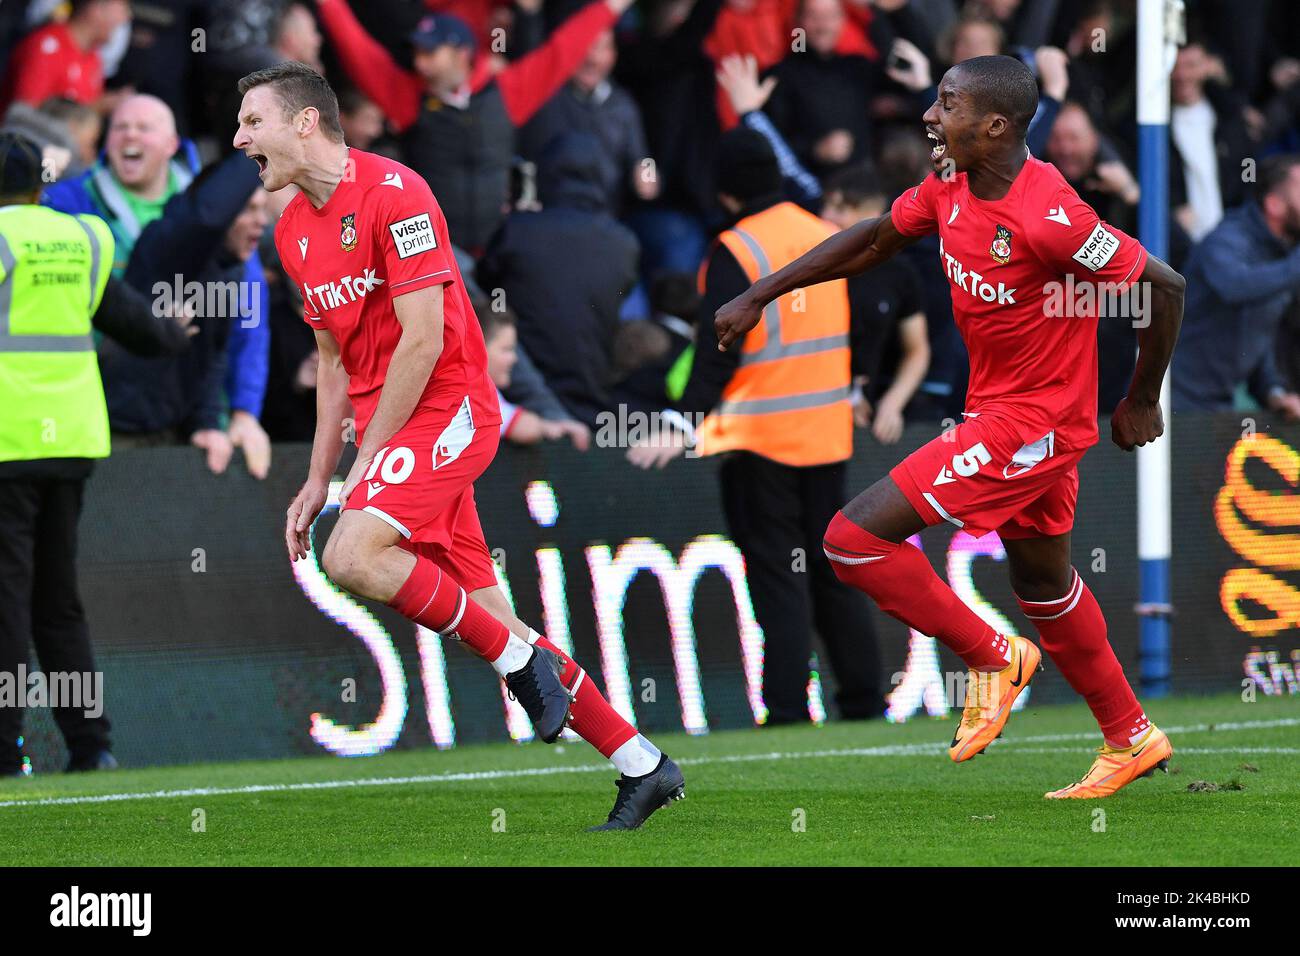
{"x": 330, "y": 295}
{"x": 972, "y": 282}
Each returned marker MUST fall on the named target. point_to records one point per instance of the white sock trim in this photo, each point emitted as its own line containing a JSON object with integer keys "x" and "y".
{"x": 636, "y": 758}
{"x": 436, "y": 585}
{"x": 843, "y": 560}
{"x": 1073, "y": 581}
{"x": 1075, "y": 592}
{"x": 513, "y": 656}
{"x": 455, "y": 621}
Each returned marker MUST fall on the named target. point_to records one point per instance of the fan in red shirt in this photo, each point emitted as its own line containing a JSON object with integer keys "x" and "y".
{"x": 401, "y": 350}
{"x": 62, "y": 59}
{"x": 1029, "y": 264}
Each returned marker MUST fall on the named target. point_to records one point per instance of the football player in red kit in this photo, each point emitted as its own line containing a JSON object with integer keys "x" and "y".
{"x": 1015, "y": 244}
{"x": 365, "y": 242}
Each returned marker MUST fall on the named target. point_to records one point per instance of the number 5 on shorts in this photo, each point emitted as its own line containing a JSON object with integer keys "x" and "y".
{"x": 968, "y": 463}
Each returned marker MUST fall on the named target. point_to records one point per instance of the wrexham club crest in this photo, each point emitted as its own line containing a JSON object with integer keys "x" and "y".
{"x": 1001, "y": 248}
{"x": 348, "y": 234}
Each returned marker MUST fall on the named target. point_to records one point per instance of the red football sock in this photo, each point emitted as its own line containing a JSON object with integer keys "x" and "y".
{"x": 592, "y": 717}
{"x": 899, "y": 578}
{"x": 1073, "y": 632}
{"x": 430, "y": 597}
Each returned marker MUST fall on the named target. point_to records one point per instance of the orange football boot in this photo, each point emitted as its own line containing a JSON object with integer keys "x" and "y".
{"x": 989, "y": 698}
{"x": 1116, "y": 768}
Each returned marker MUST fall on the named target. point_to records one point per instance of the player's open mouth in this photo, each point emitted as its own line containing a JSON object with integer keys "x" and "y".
{"x": 937, "y": 147}
{"x": 262, "y": 162}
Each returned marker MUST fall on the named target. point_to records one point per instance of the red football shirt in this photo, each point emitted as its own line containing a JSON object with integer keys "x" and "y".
{"x": 1027, "y": 273}
{"x": 381, "y": 235}
{"x": 48, "y": 62}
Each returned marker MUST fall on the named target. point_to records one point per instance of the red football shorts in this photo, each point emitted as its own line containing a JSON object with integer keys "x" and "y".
{"x": 422, "y": 483}
{"x": 982, "y": 476}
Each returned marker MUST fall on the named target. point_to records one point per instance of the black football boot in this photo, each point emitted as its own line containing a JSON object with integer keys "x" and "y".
{"x": 638, "y": 797}
{"x": 539, "y": 690}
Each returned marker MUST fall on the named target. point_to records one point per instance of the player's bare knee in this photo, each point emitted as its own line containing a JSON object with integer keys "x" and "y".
{"x": 342, "y": 562}
{"x": 884, "y": 511}
{"x": 1043, "y": 583}
{"x": 1039, "y": 568}
{"x": 332, "y": 562}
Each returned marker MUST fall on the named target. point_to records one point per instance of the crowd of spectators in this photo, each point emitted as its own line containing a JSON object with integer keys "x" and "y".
{"x": 572, "y": 145}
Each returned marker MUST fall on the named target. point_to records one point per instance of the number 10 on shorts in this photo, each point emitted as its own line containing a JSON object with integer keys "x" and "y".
{"x": 392, "y": 469}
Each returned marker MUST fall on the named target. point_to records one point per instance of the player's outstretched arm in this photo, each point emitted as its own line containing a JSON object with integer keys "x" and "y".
{"x": 1137, "y": 418}
{"x": 332, "y": 409}
{"x": 844, "y": 254}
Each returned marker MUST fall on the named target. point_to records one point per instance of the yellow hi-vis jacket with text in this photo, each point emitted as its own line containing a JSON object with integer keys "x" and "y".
{"x": 789, "y": 399}
{"x": 53, "y": 270}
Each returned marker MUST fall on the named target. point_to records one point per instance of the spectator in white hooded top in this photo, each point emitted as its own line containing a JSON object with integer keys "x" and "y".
{"x": 1191, "y": 124}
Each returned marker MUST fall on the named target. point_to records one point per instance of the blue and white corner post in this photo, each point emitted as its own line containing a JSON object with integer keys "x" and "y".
{"x": 1159, "y": 29}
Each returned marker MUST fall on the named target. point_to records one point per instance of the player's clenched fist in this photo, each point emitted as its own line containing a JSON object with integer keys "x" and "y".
{"x": 302, "y": 512}
{"x": 1136, "y": 423}
{"x": 736, "y": 318}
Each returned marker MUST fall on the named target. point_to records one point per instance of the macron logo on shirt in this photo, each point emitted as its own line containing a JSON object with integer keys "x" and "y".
{"x": 393, "y": 179}
{"x": 1057, "y": 214}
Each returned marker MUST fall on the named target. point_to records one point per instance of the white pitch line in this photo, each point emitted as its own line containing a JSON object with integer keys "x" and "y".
{"x": 1185, "y": 729}
{"x": 891, "y": 750}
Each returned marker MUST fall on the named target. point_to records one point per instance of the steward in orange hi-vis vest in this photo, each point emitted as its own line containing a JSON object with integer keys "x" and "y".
{"x": 780, "y": 423}
{"x": 789, "y": 398}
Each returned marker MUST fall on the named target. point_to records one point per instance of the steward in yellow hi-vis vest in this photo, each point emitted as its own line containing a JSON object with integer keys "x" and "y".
{"x": 55, "y": 288}
{"x": 789, "y": 399}
{"x": 53, "y": 269}
{"x": 777, "y": 420}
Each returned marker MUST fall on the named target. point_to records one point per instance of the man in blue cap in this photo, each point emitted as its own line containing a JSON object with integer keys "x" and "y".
{"x": 458, "y": 120}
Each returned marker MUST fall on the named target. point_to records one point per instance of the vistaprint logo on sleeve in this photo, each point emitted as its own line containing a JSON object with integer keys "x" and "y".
{"x": 1098, "y": 249}
{"x": 95, "y": 910}
{"x": 413, "y": 235}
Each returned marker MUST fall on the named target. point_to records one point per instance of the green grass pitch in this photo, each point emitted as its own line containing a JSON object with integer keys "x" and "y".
{"x": 876, "y": 794}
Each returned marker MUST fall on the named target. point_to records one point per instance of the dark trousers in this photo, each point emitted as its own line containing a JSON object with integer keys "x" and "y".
{"x": 39, "y": 603}
{"x": 777, "y": 515}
